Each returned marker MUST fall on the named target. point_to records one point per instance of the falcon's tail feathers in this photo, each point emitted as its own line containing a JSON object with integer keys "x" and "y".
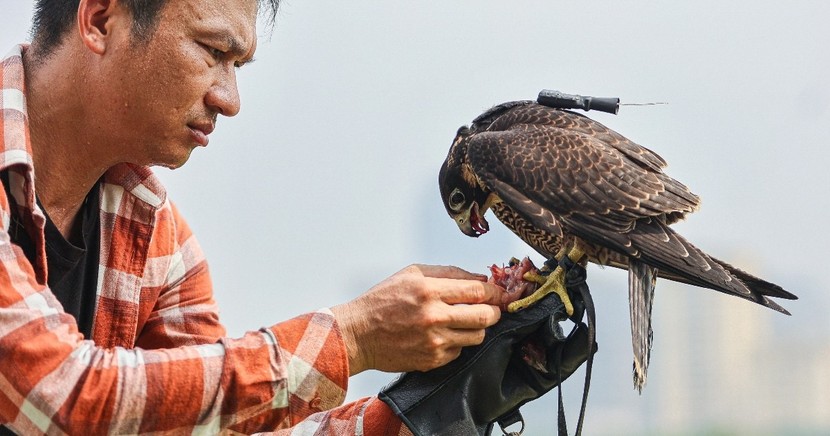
{"x": 659, "y": 246}
{"x": 760, "y": 286}
{"x": 641, "y": 281}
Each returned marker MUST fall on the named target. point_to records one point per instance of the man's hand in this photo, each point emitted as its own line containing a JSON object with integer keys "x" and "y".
{"x": 521, "y": 358}
{"x": 418, "y": 319}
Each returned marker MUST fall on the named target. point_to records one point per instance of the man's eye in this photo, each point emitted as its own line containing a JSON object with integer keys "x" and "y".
{"x": 214, "y": 52}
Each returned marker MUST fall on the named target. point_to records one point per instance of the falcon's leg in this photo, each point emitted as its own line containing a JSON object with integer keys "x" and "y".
{"x": 554, "y": 282}
{"x": 542, "y": 277}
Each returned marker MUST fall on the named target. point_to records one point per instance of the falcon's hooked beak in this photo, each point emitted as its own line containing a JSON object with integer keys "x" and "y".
{"x": 471, "y": 222}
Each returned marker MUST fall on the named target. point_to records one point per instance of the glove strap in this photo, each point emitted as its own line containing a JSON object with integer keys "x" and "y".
{"x": 510, "y": 419}
{"x": 563, "y": 426}
{"x": 575, "y": 278}
{"x": 588, "y": 302}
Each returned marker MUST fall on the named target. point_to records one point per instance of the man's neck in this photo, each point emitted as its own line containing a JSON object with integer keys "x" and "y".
{"x": 67, "y": 160}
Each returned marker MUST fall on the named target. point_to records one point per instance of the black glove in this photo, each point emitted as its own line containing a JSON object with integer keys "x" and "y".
{"x": 521, "y": 358}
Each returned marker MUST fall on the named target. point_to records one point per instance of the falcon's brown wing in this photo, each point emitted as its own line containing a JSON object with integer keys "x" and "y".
{"x": 510, "y": 115}
{"x": 560, "y": 161}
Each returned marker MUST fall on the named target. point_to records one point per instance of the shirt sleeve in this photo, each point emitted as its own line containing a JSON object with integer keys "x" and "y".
{"x": 293, "y": 374}
{"x": 367, "y": 416}
{"x": 290, "y": 378}
{"x": 183, "y": 311}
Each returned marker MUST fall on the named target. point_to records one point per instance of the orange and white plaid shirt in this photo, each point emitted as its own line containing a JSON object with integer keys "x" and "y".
{"x": 158, "y": 361}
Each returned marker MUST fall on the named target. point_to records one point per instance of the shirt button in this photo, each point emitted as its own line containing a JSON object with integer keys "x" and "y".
{"x": 315, "y": 402}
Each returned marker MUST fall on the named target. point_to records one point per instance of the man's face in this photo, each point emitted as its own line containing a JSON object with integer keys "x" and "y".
{"x": 160, "y": 98}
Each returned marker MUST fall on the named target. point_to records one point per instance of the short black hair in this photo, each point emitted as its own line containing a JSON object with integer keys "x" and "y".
{"x": 53, "y": 18}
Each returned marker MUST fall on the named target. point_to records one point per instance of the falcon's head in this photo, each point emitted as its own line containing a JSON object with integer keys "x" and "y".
{"x": 464, "y": 198}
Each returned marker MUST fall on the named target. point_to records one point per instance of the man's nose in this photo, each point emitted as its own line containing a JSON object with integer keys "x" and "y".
{"x": 223, "y": 96}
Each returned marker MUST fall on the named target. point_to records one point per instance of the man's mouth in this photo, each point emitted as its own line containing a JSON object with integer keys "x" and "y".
{"x": 200, "y": 131}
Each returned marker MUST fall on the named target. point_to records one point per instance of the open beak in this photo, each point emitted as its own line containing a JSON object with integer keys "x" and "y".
{"x": 472, "y": 222}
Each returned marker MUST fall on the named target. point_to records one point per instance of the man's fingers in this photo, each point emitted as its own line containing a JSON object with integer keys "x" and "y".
{"x": 449, "y": 272}
{"x": 466, "y": 338}
{"x": 473, "y": 316}
{"x": 467, "y": 291}
{"x": 457, "y": 286}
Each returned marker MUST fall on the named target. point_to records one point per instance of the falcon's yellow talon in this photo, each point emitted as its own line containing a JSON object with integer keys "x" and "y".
{"x": 534, "y": 277}
{"x": 555, "y": 282}
{"x": 566, "y": 300}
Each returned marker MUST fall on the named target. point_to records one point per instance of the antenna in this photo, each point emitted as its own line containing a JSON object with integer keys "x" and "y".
{"x": 560, "y": 100}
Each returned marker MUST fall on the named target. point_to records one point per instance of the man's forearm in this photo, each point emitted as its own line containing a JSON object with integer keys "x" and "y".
{"x": 53, "y": 381}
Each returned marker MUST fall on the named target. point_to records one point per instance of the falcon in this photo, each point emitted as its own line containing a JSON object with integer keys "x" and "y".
{"x": 568, "y": 185}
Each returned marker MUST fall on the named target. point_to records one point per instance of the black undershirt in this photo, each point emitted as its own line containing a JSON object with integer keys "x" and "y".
{"x": 72, "y": 266}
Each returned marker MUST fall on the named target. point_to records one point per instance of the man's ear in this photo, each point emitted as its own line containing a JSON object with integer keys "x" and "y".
{"x": 96, "y": 19}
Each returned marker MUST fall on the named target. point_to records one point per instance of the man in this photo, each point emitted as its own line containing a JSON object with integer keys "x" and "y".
{"x": 107, "y": 320}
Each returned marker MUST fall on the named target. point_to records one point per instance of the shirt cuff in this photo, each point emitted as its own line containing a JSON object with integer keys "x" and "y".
{"x": 378, "y": 419}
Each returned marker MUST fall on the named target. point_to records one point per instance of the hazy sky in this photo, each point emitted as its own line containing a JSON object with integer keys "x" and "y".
{"x": 326, "y": 182}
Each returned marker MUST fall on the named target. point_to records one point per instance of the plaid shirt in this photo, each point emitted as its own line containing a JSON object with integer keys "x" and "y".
{"x": 158, "y": 361}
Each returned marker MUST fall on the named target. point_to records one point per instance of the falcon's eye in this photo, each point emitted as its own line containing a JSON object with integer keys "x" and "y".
{"x": 456, "y": 199}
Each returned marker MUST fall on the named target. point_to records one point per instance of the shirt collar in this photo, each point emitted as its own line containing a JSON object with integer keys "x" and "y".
{"x": 16, "y": 148}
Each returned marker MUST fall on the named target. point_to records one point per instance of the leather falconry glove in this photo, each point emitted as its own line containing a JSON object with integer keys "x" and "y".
{"x": 522, "y": 357}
